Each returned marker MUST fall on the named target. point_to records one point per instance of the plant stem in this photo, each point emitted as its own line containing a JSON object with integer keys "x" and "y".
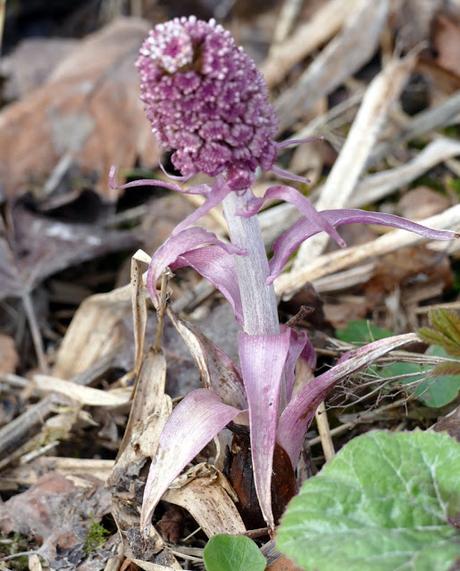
{"x": 260, "y": 312}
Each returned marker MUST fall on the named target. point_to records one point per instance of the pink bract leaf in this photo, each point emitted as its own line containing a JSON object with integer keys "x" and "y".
{"x": 262, "y": 360}
{"x": 217, "y": 194}
{"x": 218, "y": 371}
{"x": 306, "y": 227}
{"x": 218, "y": 267}
{"x": 294, "y": 142}
{"x": 202, "y": 189}
{"x": 184, "y": 243}
{"x": 300, "y": 347}
{"x": 195, "y": 421}
{"x": 283, "y": 173}
{"x": 304, "y": 206}
{"x": 299, "y": 413}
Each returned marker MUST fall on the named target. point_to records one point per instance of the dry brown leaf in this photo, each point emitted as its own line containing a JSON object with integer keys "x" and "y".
{"x": 206, "y": 494}
{"x": 8, "y": 355}
{"x": 88, "y": 112}
{"x": 37, "y": 247}
{"x": 58, "y": 514}
{"x": 149, "y": 411}
{"x": 283, "y": 564}
{"x": 446, "y": 42}
{"x": 397, "y": 268}
{"x": 450, "y": 424}
{"x": 31, "y": 64}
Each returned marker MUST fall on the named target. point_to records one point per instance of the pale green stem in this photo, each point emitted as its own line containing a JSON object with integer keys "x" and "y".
{"x": 260, "y": 312}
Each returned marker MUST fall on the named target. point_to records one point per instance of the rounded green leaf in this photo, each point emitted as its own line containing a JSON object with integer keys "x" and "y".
{"x": 233, "y": 553}
{"x": 386, "y": 502}
{"x": 438, "y": 390}
{"x": 362, "y": 331}
{"x": 434, "y": 390}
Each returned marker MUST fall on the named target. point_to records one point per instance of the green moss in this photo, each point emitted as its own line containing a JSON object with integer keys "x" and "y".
{"x": 454, "y": 185}
{"x": 97, "y": 535}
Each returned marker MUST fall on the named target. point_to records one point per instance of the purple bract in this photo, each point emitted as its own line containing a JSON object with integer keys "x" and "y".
{"x": 207, "y": 101}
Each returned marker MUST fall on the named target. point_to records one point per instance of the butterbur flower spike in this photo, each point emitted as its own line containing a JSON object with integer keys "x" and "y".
{"x": 208, "y": 104}
{"x": 207, "y": 101}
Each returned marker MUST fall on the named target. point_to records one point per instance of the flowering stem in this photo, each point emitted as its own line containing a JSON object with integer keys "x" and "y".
{"x": 258, "y": 299}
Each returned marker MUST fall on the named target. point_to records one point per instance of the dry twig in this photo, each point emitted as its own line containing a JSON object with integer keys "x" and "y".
{"x": 336, "y": 193}
{"x": 308, "y": 37}
{"x": 339, "y": 60}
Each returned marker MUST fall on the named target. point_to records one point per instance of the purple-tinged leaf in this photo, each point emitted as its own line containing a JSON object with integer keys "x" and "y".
{"x": 299, "y": 413}
{"x": 303, "y": 205}
{"x": 356, "y": 216}
{"x": 283, "y": 173}
{"x": 262, "y": 359}
{"x": 178, "y": 178}
{"x": 306, "y": 227}
{"x": 182, "y": 244}
{"x": 218, "y": 267}
{"x": 217, "y": 194}
{"x": 202, "y": 189}
{"x": 218, "y": 371}
{"x": 300, "y": 347}
{"x": 294, "y": 142}
{"x": 195, "y": 421}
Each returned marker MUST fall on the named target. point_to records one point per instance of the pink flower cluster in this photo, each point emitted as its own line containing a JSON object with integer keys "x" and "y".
{"x": 207, "y": 101}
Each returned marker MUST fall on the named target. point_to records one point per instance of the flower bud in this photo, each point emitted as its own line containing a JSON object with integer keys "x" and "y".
{"x": 207, "y": 101}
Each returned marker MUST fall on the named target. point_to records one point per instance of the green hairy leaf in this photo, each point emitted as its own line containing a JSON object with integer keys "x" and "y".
{"x": 386, "y": 502}
{"x": 444, "y": 330}
{"x": 434, "y": 387}
{"x": 233, "y": 553}
{"x": 362, "y": 331}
